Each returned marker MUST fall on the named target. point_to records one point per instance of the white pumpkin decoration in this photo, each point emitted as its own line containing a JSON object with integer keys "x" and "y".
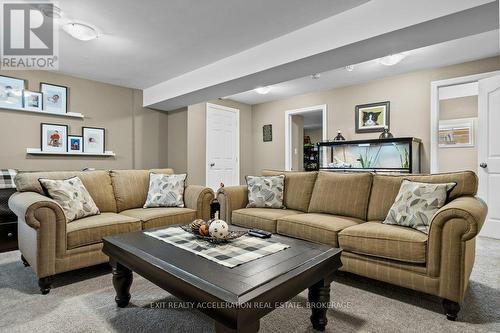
{"x": 218, "y": 229}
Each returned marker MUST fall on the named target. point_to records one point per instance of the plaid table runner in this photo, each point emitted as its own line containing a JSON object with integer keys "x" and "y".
{"x": 237, "y": 252}
{"x": 7, "y": 178}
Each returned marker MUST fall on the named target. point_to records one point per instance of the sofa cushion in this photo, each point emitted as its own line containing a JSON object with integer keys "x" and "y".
{"x": 98, "y": 183}
{"x": 260, "y": 218}
{"x": 158, "y": 217}
{"x": 131, "y": 187}
{"x": 165, "y": 190}
{"x": 298, "y": 188}
{"x": 92, "y": 229}
{"x": 344, "y": 194}
{"x": 265, "y": 191}
{"x": 385, "y": 188}
{"x": 320, "y": 228}
{"x": 385, "y": 241}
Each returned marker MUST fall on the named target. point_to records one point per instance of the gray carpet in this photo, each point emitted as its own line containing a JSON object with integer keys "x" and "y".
{"x": 82, "y": 301}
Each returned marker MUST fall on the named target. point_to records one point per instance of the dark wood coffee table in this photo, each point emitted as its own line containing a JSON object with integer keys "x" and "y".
{"x": 236, "y": 298}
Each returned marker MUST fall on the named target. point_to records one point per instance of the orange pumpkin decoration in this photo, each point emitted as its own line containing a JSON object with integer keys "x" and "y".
{"x": 203, "y": 230}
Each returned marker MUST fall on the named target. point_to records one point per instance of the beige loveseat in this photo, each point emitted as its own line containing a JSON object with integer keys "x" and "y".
{"x": 50, "y": 245}
{"x": 346, "y": 209}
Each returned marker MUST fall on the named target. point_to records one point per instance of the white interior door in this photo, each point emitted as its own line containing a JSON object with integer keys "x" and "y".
{"x": 223, "y": 146}
{"x": 489, "y": 152}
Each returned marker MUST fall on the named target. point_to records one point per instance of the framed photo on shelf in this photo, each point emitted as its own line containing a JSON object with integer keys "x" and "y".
{"x": 54, "y": 138}
{"x": 75, "y": 144}
{"x": 11, "y": 92}
{"x": 32, "y": 100}
{"x": 93, "y": 140}
{"x": 55, "y": 98}
{"x": 372, "y": 117}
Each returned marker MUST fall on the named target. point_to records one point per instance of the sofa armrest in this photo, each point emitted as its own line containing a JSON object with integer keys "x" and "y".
{"x": 26, "y": 204}
{"x": 199, "y": 198}
{"x": 231, "y": 198}
{"x": 41, "y": 230}
{"x": 471, "y": 210}
{"x": 451, "y": 244}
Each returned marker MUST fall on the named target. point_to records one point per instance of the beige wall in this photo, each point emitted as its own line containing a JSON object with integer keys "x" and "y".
{"x": 196, "y": 145}
{"x": 135, "y": 134}
{"x": 177, "y": 140}
{"x": 409, "y": 95}
{"x": 316, "y": 135}
{"x": 462, "y": 158}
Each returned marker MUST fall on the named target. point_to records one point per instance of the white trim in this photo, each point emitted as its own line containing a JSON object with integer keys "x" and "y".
{"x": 435, "y": 85}
{"x": 44, "y": 113}
{"x": 226, "y": 108}
{"x": 288, "y": 129}
{"x": 461, "y": 90}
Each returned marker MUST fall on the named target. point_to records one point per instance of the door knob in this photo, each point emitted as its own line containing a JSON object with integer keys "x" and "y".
{"x": 483, "y": 165}
{"x": 212, "y": 164}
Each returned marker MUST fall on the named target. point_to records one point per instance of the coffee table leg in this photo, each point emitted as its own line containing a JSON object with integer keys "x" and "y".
{"x": 249, "y": 328}
{"x": 122, "y": 280}
{"x": 319, "y": 297}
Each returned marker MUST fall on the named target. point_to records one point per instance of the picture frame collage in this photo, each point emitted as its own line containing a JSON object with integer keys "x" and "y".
{"x": 50, "y": 98}
{"x": 55, "y": 138}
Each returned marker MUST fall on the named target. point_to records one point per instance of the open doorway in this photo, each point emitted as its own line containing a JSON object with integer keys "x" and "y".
{"x": 303, "y": 129}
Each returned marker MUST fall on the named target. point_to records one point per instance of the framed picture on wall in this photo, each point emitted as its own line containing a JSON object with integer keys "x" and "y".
{"x": 32, "y": 100}
{"x": 55, "y": 98}
{"x": 372, "y": 117}
{"x": 93, "y": 140}
{"x": 54, "y": 138}
{"x": 75, "y": 143}
{"x": 11, "y": 92}
{"x": 456, "y": 133}
{"x": 267, "y": 133}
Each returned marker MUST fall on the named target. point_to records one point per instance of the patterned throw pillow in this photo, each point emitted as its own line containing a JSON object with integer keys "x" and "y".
{"x": 266, "y": 191}
{"x": 165, "y": 190}
{"x": 416, "y": 204}
{"x": 72, "y": 196}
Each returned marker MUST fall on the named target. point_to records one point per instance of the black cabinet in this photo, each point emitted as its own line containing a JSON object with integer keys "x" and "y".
{"x": 8, "y": 222}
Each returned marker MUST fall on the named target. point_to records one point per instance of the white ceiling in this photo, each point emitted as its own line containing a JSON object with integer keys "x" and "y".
{"x": 443, "y": 54}
{"x": 147, "y": 42}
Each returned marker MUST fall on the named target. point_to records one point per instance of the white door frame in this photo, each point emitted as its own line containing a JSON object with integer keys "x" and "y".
{"x": 217, "y": 106}
{"x": 435, "y": 85}
{"x": 288, "y": 129}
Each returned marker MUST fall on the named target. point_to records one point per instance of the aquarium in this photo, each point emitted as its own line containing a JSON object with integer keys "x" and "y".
{"x": 400, "y": 155}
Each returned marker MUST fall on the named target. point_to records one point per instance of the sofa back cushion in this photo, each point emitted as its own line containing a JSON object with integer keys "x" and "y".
{"x": 298, "y": 188}
{"x": 131, "y": 187}
{"x": 344, "y": 194}
{"x": 385, "y": 188}
{"x": 97, "y": 183}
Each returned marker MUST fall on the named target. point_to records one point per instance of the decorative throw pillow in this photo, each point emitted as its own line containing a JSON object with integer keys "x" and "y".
{"x": 165, "y": 190}
{"x": 72, "y": 196}
{"x": 265, "y": 191}
{"x": 416, "y": 204}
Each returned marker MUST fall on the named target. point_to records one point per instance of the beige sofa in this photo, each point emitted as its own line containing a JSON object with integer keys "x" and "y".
{"x": 50, "y": 245}
{"x": 346, "y": 209}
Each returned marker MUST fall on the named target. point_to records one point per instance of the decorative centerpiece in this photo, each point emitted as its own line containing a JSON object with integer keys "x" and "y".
{"x": 214, "y": 231}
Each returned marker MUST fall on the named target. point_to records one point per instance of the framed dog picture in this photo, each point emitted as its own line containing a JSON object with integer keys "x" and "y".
{"x": 75, "y": 143}
{"x": 372, "y": 117}
{"x": 55, "y": 98}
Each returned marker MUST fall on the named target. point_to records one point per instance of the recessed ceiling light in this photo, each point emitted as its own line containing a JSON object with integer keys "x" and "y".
{"x": 316, "y": 76}
{"x": 349, "y": 68}
{"x": 262, "y": 90}
{"x": 392, "y": 59}
{"x": 80, "y": 31}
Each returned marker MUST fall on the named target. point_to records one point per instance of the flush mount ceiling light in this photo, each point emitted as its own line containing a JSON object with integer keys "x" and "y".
{"x": 392, "y": 59}
{"x": 349, "y": 68}
{"x": 262, "y": 90}
{"x": 80, "y": 31}
{"x": 316, "y": 76}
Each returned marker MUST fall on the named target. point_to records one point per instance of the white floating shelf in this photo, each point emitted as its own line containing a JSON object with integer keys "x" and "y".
{"x": 38, "y": 151}
{"x": 68, "y": 114}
